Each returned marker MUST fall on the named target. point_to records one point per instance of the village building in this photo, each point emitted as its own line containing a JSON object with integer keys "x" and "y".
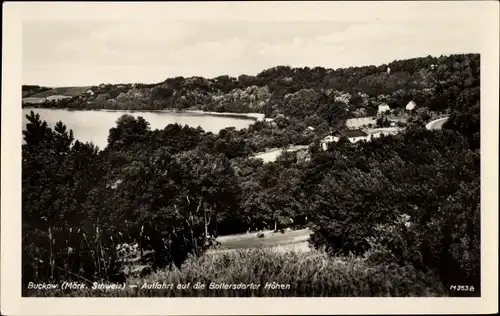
{"x": 327, "y": 140}
{"x": 383, "y": 108}
{"x": 354, "y": 136}
{"x": 384, "y": 131}
{"x": 89, "y": 91}
{"x": 410, "y": 106}
{"x": 310, "y": 128}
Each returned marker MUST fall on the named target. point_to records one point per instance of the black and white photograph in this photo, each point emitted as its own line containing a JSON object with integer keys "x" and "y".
{"x": 210, "y": 150}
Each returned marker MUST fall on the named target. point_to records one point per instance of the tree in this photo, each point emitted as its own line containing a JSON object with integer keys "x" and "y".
{"x": 128, "y": 130}
{"x": 383, "y": 122}
{"x": 210, "y": 181}
{"x": 465, "y": 117}
{"x": 48, "y": 187}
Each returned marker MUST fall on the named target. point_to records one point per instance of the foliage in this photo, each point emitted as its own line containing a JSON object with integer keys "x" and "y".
{"x": 29, "y": 90}
{"x": 433, "y": 82}
{"x": 82, "y": 202}
{"x": 466, "y": 118}
{"x": 307, "y": 274}
{"x": 383, "y": 122}
{"x": 430, "y": 179}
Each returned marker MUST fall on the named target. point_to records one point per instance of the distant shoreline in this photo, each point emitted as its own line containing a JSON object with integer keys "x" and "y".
{"x": 253, "y": 116}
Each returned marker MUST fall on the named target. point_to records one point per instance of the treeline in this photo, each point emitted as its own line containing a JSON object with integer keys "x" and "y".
{"x": 410, "y": 200}
{"x": 432, "y": 82}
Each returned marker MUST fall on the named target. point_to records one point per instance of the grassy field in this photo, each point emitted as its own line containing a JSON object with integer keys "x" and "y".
{"x": 62, "y": 91}
{"x": 266, "y": 272}
{"x": 33, "y": 100}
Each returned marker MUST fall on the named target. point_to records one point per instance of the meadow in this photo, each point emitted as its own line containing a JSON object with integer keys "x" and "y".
{"x": 62, "y": 91}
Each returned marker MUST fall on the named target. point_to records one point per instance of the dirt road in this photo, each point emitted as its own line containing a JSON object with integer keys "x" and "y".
{"x": 296, "y": 239}
{"x": 436, "y": 124}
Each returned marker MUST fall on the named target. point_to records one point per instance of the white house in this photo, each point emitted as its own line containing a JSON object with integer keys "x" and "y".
{"x": 89, "y": 91}
{"x": 354, "y": 136}
{"x": 310, "y": 128}
{"x": 382, "y": 108}
{"x": 388, "y": 70}
{"x": 328, "y": 139}
{"x": 378, "y": 132}
{"x": 410, "y": 106}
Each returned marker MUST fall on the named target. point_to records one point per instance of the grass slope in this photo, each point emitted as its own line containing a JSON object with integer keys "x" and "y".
{"x": 64, "y": 91}
{"x": 299, "y": 273}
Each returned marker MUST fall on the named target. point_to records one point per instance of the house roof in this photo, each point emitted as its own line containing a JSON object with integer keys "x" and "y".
{"x": 354, "y": 133}
{"x": 351, "y": 133}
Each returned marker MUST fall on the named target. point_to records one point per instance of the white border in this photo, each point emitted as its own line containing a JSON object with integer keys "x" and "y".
{"x": 484, "y": 13}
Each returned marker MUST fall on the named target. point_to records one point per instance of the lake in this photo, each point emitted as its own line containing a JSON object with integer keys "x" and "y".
{"x": 94, "y": 125}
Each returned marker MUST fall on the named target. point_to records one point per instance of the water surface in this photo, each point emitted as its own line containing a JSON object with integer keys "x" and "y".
{"x": 94, "y": 125}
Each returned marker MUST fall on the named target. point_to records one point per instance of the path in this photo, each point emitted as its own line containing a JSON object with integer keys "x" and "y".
{"x": 436, "y": 124}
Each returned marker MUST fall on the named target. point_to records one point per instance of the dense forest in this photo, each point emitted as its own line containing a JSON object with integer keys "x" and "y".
{"x": 407, "y": 201}
{"x": 432, "y": 82}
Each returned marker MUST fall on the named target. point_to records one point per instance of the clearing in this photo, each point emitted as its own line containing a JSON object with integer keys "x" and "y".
{"x": 62, "y": 91}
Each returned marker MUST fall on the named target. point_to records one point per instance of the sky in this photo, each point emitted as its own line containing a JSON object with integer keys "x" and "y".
{"x": 93, "y": 51}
